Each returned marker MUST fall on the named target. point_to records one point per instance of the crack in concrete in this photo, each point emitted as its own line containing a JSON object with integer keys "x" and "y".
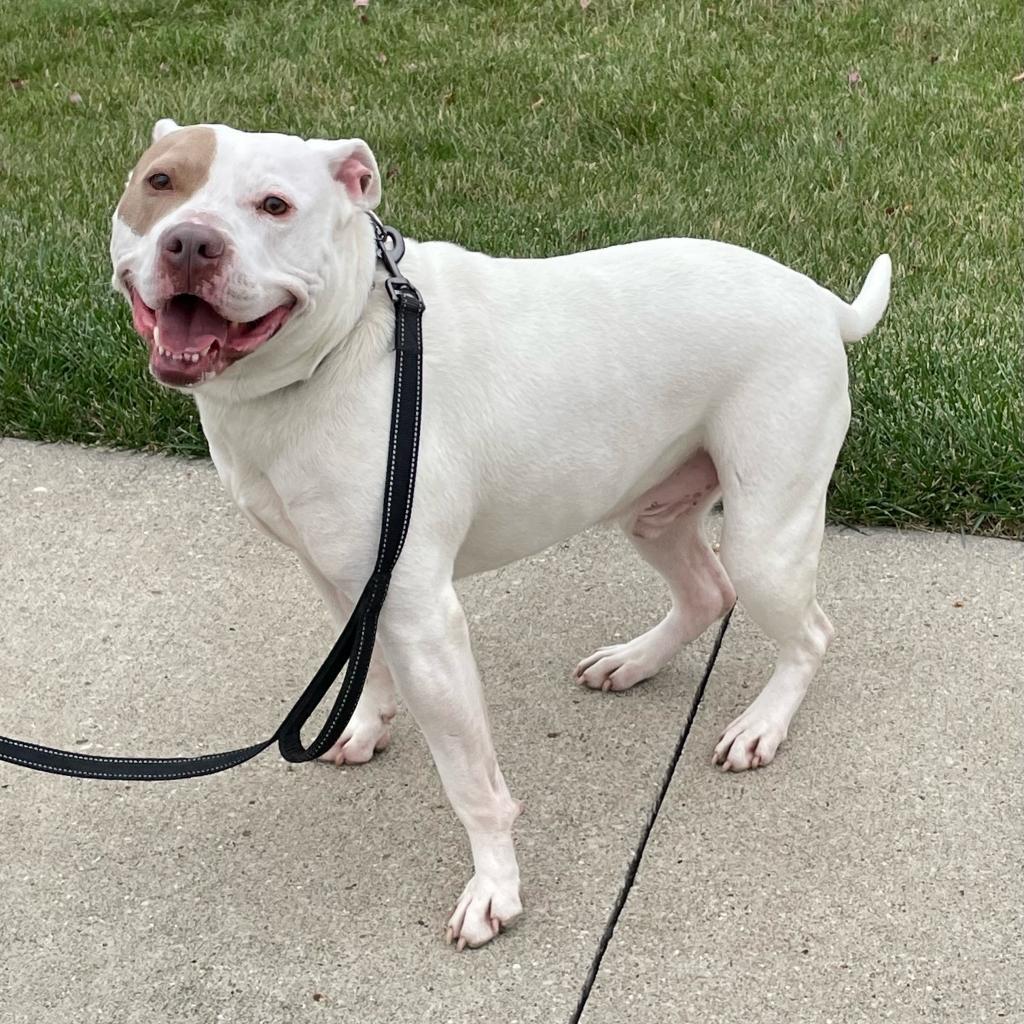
{"x": 652, "y": 817}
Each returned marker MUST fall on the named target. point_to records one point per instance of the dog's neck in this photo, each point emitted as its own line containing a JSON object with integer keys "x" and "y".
{"x": 334, "y": 319}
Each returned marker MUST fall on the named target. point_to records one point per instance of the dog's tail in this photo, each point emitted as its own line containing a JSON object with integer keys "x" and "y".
{"x": 859, "y": 317}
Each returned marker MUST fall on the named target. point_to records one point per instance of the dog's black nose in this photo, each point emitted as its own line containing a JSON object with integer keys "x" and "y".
{"x": 192, "y": 245}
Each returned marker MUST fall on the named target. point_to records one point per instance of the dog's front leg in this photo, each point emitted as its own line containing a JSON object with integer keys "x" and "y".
{"x": 369, "y": 729}
{"x": 426, "y": 639}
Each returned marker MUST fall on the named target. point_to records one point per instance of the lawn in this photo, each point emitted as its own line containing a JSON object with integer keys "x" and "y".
{"x": 820, "y": 133}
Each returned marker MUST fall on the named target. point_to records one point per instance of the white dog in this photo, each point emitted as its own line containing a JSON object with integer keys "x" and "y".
{"x": 635, "y": 385}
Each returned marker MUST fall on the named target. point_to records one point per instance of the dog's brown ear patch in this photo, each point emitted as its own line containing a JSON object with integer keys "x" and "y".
{"x": 185, "y": 157}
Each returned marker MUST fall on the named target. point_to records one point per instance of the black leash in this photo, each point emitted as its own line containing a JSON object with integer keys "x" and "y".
{"x": 355, "y": 645}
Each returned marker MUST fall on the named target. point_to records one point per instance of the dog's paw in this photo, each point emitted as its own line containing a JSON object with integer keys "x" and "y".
{"x": 621, "y": 666}
{"x": 365, "y": 734}
{"x": 749, "y": 741}
{"x": 485, "y": 907}
{"x": 612, "y": 668}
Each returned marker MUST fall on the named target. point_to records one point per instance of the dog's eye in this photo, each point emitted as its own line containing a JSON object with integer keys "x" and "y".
{"x": 160, "y": 181}
{"x": 274, "y": 205}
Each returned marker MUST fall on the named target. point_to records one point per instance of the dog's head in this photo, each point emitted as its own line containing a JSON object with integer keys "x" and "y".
{"x": 224, "y": 240}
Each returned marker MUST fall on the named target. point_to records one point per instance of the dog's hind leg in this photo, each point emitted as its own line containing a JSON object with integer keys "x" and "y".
{"x": 667, "y": 527}
{"x": 775, "y": 469}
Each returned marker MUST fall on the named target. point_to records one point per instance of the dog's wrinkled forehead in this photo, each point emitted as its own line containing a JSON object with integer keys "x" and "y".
{"x": 216, "y": 170}
{"x": 185, "y": 156}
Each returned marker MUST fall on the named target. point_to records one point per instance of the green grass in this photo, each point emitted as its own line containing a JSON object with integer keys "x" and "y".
{"x": 533, "y": 128}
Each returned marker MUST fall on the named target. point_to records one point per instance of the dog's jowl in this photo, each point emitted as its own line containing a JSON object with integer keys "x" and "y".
{"x": 635, "y": 385}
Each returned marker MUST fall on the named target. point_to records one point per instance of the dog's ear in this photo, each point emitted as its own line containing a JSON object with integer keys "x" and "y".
{"x": 164, "y": 127}
{"x": 352, "y": 164}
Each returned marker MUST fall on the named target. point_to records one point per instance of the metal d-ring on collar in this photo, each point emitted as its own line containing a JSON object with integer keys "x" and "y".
{"x": 353, "y": 649}
{"x": 390, "y": 250}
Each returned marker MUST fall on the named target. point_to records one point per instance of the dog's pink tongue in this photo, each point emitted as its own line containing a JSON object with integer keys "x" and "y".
{"x": 190, "y": 324}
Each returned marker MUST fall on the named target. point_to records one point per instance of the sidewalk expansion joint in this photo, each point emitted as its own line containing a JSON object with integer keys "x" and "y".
{"x": 652, "y": 817}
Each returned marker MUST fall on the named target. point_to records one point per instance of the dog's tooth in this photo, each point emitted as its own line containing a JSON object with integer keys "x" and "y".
{"x": 156, "y": 335}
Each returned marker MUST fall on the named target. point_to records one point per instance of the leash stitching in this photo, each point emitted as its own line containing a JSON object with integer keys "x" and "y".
{"x": 111, "y": 760}
{"x": 346, "y": 683}
{"x": 113, "y": 775}
{"x": 416, "y": 441}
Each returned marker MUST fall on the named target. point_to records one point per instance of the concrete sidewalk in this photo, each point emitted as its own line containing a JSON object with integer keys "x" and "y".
{"x": 875, "y": 872}
{"x": 872, "y": 873}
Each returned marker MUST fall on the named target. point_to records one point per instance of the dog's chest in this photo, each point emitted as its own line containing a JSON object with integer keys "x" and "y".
{"x": 253, "y": 491}
{"x": 244, "y": 454}
{"x": 295, "y": 479}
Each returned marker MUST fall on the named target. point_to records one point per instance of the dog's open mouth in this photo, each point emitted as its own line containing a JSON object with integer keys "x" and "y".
{"x": 189, "y": 340}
